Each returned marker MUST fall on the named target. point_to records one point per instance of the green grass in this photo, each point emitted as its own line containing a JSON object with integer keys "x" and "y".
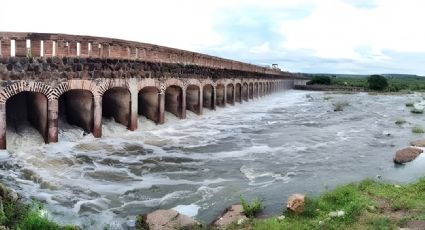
{"x": 400, "y": 121}
{"x": 367, "y": 205}
{"x": 417, "y": 129}
{"x": 16, "y": 214}
{"x": 253, "y": 208}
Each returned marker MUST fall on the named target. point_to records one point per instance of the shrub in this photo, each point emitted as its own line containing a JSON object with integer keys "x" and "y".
{"x": 409, "y": 104}
{"x": 340, "y": 105}
{"x": 400, "y": 121}
{"x": 377, "y": 82}
{"x": 417, "y": 110}
{"x": 417, "y": 129}
{"x": 251, "y": 210}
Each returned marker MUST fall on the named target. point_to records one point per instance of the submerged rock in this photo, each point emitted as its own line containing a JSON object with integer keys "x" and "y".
{"x": 232, "y": 214}
{"x": 165, "y": 220}
{"x": 296, "y": 203}
{"x": 406, "y": 155}
{"x": 418, "y": 143}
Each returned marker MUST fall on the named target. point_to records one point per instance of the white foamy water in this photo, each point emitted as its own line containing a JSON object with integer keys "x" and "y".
{"x": 268, "y": 148}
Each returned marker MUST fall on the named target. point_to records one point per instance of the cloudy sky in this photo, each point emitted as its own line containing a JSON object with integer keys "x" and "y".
{"x": 336, "y": 36}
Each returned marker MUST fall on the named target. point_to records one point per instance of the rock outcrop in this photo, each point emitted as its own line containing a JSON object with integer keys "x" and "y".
{"x": 418, "y": 143}
{"x": 232, "y": 214}
{"x": 296, "y": 203}
{"x": 406, "y": 155}
{"x": 165, "y": 220}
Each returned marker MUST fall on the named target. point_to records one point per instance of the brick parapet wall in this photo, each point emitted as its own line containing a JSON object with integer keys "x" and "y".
{"x": 64, "y": 45}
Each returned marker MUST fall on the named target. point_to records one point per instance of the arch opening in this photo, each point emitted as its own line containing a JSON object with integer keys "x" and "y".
{"x": 27, "y": 108}
{"x": 251, "y": 91}
{"x": 193, "y": 99}
{"x": 256, "y": 90}
{"x": 238, "y": 93}
{"x": 116, "y": 103}
{"x": 174, "y": 100}
{"x": 230, "y": 94}
{"x": 76, "y": 107}
{"x": 208, "y": 96}
{"x": 220, "y": 95}
{"x": 149, "y": 103}
{"x": 260, "y": 89}
{"x": 245, "y": 92}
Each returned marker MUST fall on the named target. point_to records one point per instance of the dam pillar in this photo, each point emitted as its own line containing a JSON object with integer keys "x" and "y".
{"x": 52, "y": 120}
{"x": 3, "y": 126}
{"x": 161, "y": 114}
{"x": 97, "y": 117}
{"x": 183, "y": 105}
{"x": 133, "y": 110}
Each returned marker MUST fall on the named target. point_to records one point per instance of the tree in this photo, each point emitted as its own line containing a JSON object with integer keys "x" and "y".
{"x": 377, "y": 82}
{"x": 320, "y": 80}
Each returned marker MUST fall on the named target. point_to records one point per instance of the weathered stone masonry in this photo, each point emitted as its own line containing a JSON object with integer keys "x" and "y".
{"x": 80, "y": 79}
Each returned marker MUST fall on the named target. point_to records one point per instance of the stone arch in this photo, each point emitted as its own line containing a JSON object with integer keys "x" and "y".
{"x": 208, "y": 95}
{"x": 87, "y": 85}
{"x": 251, "y": 90}
{"x": 194, "y": 98}
{"x": 230, "y": 93}
{"x": 260, "y": 89}
{"x": 21, "y": 86}
{"x": 256, "y": 90}
{"x": 174, "y": 82}
{"x": 25, "y": 107}
{"x": 175, "y": 98}
{"x": 149, "y": 102}
{"x": 220, "y": 91}
{"x": 238, "y": 92}
{"x": 245, "y": 91}
{"x": 116, "y": 104}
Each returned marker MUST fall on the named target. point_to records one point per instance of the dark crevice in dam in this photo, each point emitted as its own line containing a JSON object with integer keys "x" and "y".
{"x": 76, "y": 108}
{"x": 149, "y": 103}
{"x": 27, "y": 107}
{"x": 174, "y": 100}
{"x": 116, "y": 104}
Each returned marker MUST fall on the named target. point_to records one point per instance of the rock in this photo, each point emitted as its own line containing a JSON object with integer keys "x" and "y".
{"x": 406, "y": 155}
{"x": 165, "y": 220}
{"x": 296, "y": 203}
{"x": 418, "y": 143}
{"x": 230, "y": 215}
{"x": 337, "y": 213}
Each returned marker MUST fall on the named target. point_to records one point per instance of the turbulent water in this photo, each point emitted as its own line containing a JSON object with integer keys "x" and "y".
{"x": 268, "y": 148}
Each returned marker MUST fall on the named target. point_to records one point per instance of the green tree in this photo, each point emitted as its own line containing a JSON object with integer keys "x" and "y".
{"x": 377, "y": 82}
{"x": 321, "y": 80}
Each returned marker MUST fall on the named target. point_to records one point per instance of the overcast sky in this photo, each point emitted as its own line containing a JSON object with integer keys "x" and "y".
{"x": 336, "y": 36}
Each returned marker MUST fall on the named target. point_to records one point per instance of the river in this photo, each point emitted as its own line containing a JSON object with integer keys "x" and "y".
{"x": 288, "y": 142}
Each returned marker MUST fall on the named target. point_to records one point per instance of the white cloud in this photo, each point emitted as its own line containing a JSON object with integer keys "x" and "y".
{"x": 335, "y": 28}
{"x": 261, "y": 49}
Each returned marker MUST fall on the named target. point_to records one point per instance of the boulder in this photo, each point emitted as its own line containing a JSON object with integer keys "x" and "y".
{"x": 406, "y": 155}
{"x": 418, "y": 143}
{"x": 296, "y": 203}
{"x": 165, "y": 220}
{"x": 232, "y": 214}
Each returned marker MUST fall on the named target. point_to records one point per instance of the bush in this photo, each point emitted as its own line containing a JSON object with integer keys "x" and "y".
{"x": 417, "y": 110}
{"x": 320, "y": 80}
{"x": 400, "y": 121}
{"x": 417, "y": 129}
{"x": 377, "y": 82}
{"x": 251, "y": 210}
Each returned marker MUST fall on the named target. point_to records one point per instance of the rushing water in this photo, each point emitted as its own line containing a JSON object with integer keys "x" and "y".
{"x": 268, "y": 148}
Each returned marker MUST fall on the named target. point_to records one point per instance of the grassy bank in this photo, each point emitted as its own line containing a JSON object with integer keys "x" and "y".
{"x": 19, "y": 215}
{"x": 365, "y": 205}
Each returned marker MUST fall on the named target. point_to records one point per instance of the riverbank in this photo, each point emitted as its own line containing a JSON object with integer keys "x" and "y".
{"x": 369, "y": 204}
{"x": 15, "y": 213}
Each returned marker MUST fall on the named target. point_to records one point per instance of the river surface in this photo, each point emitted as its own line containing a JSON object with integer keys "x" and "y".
{"x": 288, "y": 142}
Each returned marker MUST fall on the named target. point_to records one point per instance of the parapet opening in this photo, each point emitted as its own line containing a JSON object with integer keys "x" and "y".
{"x": 193, "y": 99}
{"x": 220, "y": 95}
{"x": 116, "y": 104}
{"x": 76, "y": 107}
{"x": 174, "y": 100}
{"x": 12, "y": 48}
{"x": 208, "y": 96}
{"x": 149, "y": 103}
{"x": 25, "y": 111}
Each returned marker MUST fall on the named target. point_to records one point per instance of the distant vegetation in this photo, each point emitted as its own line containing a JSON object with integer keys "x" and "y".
{"x": 377, "y": 82}
{"x": 396, "y": 82}
{"x": 321, "y": 80}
